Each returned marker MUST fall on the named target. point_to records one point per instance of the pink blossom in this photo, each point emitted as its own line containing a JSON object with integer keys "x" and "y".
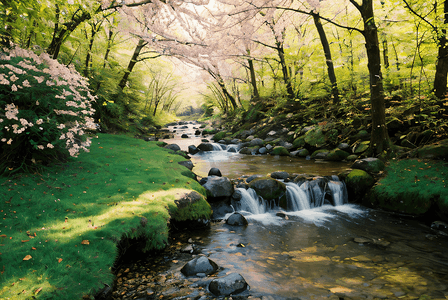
{"x": 26, "y": 83}
{"x": 40, "y": 121}
{"x": 9, "y": 142}
{"x": 50, "y": 146}
{"x": 40, "y": 147}
{"x": 13, "y": 78}
{"x": 14, "y": 88}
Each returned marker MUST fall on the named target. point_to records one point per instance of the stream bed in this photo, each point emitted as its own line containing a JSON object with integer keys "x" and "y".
{"x": 329, "y": 252}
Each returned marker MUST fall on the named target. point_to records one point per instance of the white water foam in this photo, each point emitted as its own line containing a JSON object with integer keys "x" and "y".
{"x": 251, "y": 202}
{"x": 296, "y": 197}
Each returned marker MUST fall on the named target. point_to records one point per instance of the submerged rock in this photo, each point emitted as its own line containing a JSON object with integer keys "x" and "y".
{"x": 279, "y": 175}
{"x": 199, "y": 264}
{"x": 233, "y": 283}
{"x": 237, "y": 219}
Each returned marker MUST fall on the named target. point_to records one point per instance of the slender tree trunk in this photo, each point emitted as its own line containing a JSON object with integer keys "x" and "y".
{"x": 109, "y": 46}
{"x": 379, "y": 141}
{"x": 328, "y": 59}
{"x": 88, "y": 55}
{"x": 60, "y": 33}
{"x": 440, "y": 79}
{"x": 132, "y": 62}
{"x": 385, "y": 54}
{"x": 286, "y": 77}
{"x": 253, "y": 80}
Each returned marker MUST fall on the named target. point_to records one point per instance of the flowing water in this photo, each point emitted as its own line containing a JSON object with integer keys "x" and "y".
{"x": 320, "y": 247}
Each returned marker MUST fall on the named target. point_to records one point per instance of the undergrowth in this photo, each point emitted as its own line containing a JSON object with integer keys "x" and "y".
{"x": 59, "y": 229}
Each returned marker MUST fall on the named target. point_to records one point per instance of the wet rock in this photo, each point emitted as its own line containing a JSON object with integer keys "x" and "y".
{"x": 279, "y": 175}
{"x": 344, "y": 146}
{"x": 269, "y": 147}
{"x": 233, "y": 283}
{"x": 315, "y": 137}
{"x": 320, "y": 154}
{"x": 215, "y": 172}
{"x": 218, "y": 186}
{"x": 187, "y": 163}
{"x": 362, "y": 240}
{"x": 197, "y": 132}
{"x": 232, "y": 150}
{"x": 369, "y": 164}
{"x": 352, "y": 157}
{"x": 192, "y": 149}
{"x": 173, "y": 147}
{"x": 188, "y": 249}
{"x": 268, "y": 188}
{"x": 282, "y": 214}
{"x": 252, "y": 177}
{"x": 262, "y": 150}
{"x": 184, "y": 136}
{"x": 199, "y": 264}
{"x": 205, "y": 147}
{"x": 237, "y": 219}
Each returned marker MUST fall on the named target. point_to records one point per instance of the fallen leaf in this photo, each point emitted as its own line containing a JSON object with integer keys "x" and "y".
{"x": 85, "y": 242}
{"x": 24, "y": 241}
{"x": 32, "y": 248}
{"x": 2, "y": 235}
{"x": 59, "y": 260}
{"x": 28, "y": 257}
{"x": 37, "y": 291}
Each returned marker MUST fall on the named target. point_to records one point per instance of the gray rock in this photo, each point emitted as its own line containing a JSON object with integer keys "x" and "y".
{"x": 256, "y": 142}
{"x": 173, "y": 147}
{"x": 205, "y": 147}
{"x": 192, "y": 149}
{"x": 187, "y": 163}
{"x": 199, "y": 264}
{"x": 214, "y": 171}
{"x": 263, "y": 150}
{"x": 344, "y": 146}
{"x": 272, "y": 133}
{"x": 218, "y": 186}
{"x": 235, "y": 141}
{"x": 250, "y": 137}
{"x": 197, "y": 132}
{"x": 279, "y": 175}
{"x": 269, "y": 147}
{"x": 237, "y": 219}
{"x": 268, "y": 188}
{"x": 184, "y": 136}
{"x": 233, "y": 283}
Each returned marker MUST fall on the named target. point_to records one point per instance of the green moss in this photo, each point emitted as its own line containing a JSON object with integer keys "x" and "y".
{"x": 220, "y": 135}
{"x": 362, "y": 147}
{"x": 209, "y": 131}
{"x": 299, "y": 142}
{"x": 413, "y": 186}
{"x": 268, "y": 188}
{"x": 337, "y": 155}
{"x": 313, "y": 155}
{"x": 280, "y": 150}
{"x": 123, "y": 188}
{"x": 315, "y": 137}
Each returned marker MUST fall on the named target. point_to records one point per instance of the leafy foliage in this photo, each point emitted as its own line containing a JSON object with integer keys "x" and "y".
{"x": 45, "y": 110}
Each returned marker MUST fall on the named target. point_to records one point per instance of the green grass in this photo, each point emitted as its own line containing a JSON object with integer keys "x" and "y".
{"x": 413, "y": 186}
{"x": 70, "y": 218}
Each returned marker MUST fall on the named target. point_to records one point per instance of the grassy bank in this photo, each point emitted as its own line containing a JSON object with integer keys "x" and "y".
{"x": 413, "y": 186}
{"x": 59, "y": 229}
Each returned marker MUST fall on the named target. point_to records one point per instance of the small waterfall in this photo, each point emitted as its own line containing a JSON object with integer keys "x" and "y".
{"x": 232, "y": 148}
{"x": 218, "y": 147}
{"x": 251, "y": 202}
{"x": 315, "y": 193}
{"x": 296, "y": 197}
{"x": 338, "y": 191}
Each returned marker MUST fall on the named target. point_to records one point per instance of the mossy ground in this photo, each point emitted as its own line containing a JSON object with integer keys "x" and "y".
{"x": 59, "y": 230}
{"x": 413, "y": 186}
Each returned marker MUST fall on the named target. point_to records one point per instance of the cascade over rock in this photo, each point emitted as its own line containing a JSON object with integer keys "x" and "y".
{"x": 218, "y": 186}
{"x": 268, "y": 188}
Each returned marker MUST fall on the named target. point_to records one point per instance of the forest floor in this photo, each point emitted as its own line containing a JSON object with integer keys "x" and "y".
{"x": 59, "y": 229}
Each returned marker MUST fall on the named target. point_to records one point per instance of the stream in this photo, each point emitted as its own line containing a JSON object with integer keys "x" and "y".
{"x": 328, "y": 252}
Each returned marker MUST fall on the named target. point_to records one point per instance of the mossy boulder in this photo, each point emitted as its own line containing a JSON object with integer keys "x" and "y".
{"x": 219, "y": 136}
{"x": 280, "y": 150}
{"x": 363, "y": 135}
{"x": 315, "y": 137}
{"x": 362, "y": 147}
{"x": 321, "y": 153}
{"x": 268, "y": 188}
{"x": 190, "y": 206}
{"x": 438, "y": 150}
{"x": 369, "y": 164}
{"x": 299, "y": 142}
{"x": 337, "y": 155}
{"x": 358, "y": 183}
{"x": 303, "y": 153}
{"x": 351, "y": 157}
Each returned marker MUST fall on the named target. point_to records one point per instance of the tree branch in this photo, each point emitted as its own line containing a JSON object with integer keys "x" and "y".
{"x": 419, "y": 16}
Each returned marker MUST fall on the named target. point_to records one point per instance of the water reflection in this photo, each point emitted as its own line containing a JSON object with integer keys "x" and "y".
{"x": 313, "y": 254}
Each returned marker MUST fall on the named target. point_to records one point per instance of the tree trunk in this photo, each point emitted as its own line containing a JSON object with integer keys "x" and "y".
{"x": 286, "y": 77}
{"x": 88, "y": 55}
{"x": 379, "y": 141}
{"x": 132, "y": 62}
{"x": 440, "y": 79}
{"x": 253, "y": 80}
{"x": 60, "y": 33}
{"x": 328, "y": 59}
{"x": 385, "y": 54}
